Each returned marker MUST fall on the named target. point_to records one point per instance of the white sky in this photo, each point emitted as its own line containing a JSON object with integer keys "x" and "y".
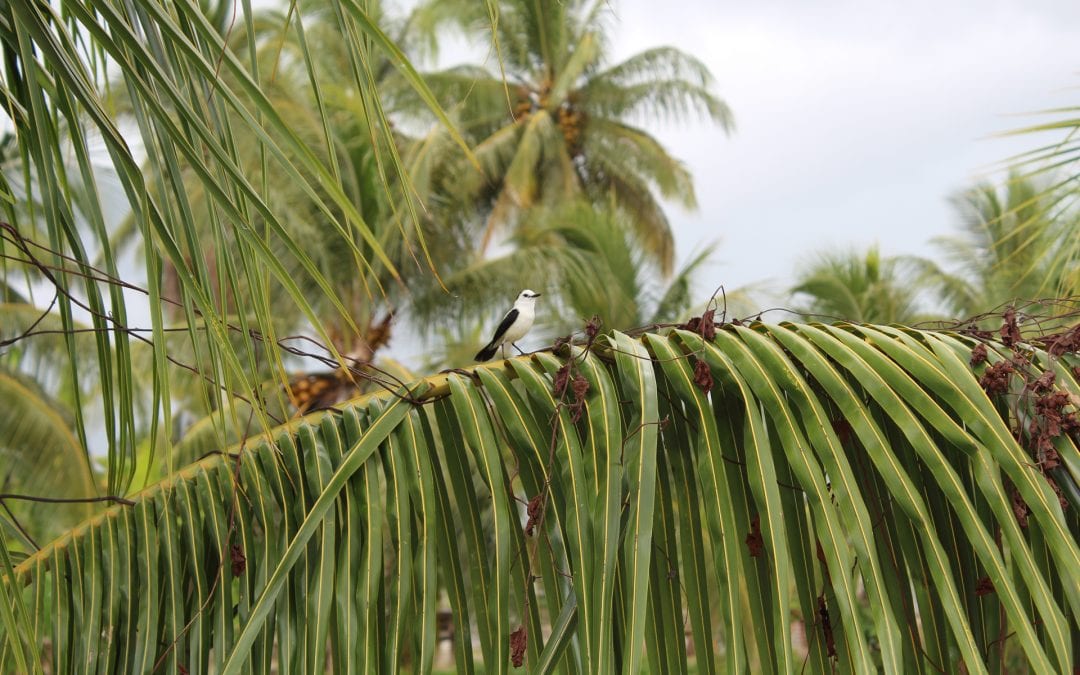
{"x": 855, "y": 120}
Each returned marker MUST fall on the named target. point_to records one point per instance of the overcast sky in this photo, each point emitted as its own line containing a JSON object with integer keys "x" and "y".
{"x": 855, "y": 120}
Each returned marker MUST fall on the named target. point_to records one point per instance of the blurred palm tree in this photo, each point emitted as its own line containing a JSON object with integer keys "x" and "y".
{"x": 1054, "y": 166}
{"x": 858, "y": 286}
{"x": 563, "y": 124}
{"x": 1008, "y": 249}
{"x": 41, "y": 445}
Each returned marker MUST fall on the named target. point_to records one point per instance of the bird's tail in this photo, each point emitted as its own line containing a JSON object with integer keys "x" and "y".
{"x": 487, "y": 352}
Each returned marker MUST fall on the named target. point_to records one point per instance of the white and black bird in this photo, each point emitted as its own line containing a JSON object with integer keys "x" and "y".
{"x": 513, "y": 326}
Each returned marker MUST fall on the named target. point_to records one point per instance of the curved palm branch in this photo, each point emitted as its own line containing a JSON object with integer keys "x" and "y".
{"x": 718, "y": 488}
{"x": 639, "y": 156}
{"x": 650, "y": 223}
{"x": 540, "y": 160}
{"x": 659, "y": 83}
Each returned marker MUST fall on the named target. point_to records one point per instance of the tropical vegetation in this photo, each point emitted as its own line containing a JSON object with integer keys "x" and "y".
{"x": 1011, "y": 249}
{"x": 203, "y": 202}
{"x": 861, "y": 286}
{"x": 552, "y": 120}
{"x": 1008, "y": 250}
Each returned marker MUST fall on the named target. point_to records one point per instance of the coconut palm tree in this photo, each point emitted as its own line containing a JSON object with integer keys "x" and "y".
{"x": 1055, "y": 168}
{"x": 1008, "y": 249}
{"x": 565, "y": 124}
{"x": 860, "y": 286}
{"x": 579, "y": 511}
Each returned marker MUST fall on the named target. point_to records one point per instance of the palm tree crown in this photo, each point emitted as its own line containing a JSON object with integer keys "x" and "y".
{"x": 859, "y": 286}
{"x": 563, "y": 124}
{"x": 1007, "y": 249}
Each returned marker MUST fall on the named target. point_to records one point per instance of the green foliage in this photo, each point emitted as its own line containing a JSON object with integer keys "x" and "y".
{"x": 1008, "y": 250}
{"x": 1054, "y": 166}
{"x": 207, "y": 225}
{"x": 863, "y": 287}
{"x": 855, "y": 479}
{"x": 339, "y": 98}
{"x": 556, "y": 121}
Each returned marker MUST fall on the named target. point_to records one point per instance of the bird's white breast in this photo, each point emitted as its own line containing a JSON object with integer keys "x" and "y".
{"x": 526, "y": 314}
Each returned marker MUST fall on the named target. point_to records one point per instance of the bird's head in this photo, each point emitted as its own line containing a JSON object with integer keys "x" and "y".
{"x": 527, "y": 295}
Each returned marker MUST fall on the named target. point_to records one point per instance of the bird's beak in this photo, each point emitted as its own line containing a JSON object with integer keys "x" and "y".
{"x": 537, "y": 295}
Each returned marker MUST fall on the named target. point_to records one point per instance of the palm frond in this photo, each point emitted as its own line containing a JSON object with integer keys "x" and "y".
{"x": 662, "y": 83}
{"x": 42, "y": 457}
{"x": 640, "y": 155}
{"x": 206, "y": 221}
{"x": 651, "y": 224}
{"x": 778, "y": 474}
{"x": 1054, "y": 167}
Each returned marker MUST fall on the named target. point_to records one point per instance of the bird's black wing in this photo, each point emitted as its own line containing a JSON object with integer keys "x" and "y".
{"x": 507, "y": 321}
{"x": 489, "y": 351}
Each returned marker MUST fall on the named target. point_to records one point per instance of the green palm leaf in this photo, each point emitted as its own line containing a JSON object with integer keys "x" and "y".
{"x": 774, "y": 474}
